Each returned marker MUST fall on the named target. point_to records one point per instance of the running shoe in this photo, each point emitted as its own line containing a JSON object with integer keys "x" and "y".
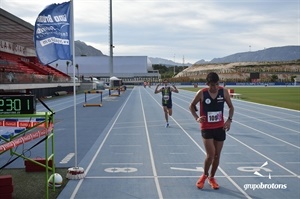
{"x": 213, "y": 183}
{"x": 201, "y": 181}
{"x": 167, "y": 125}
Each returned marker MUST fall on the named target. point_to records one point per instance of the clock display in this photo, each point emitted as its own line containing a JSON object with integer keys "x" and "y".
{"x": 17, "y": 104}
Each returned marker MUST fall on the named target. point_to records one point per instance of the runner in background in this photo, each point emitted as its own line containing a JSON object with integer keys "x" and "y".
{"x": 166, "y": 91}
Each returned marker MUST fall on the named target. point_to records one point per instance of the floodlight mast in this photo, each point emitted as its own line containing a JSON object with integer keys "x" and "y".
{"x": 111, "y": 46}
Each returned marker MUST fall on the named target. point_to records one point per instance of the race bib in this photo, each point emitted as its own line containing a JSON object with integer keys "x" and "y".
{"x": 215, "y": 116}
{"x": 166, "y": 97}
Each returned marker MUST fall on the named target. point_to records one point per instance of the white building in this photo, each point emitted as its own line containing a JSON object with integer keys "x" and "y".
{"x": 125, "y": 67}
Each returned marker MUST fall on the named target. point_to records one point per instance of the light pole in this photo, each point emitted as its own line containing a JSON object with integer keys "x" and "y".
{"x": 174, "y": 64}
{"x": 111, "y": 46}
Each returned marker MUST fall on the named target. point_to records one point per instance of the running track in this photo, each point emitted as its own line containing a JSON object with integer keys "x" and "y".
{"x": 128, "y": 153}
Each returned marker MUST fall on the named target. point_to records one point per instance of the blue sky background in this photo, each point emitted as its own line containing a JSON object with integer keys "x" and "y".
{"x": 177, "y": 29}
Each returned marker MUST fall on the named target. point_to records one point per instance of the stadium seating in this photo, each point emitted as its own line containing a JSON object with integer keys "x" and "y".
{"x": 28, "y": 69}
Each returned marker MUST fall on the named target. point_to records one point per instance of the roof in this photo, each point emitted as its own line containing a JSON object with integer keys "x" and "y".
{"x": 16, "y": 30}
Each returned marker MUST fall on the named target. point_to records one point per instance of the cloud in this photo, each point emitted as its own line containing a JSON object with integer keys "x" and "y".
{"x": 193, "y": 29}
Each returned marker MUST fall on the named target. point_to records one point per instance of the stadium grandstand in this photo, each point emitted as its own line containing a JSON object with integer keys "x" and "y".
{"x": 21, "y": 70}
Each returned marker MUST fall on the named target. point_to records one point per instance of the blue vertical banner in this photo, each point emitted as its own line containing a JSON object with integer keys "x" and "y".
{"x": 52, "y": 34}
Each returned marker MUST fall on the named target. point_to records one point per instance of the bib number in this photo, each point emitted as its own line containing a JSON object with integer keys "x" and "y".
{"x": 215, "y": 116}
{"x": 166, "y": 97}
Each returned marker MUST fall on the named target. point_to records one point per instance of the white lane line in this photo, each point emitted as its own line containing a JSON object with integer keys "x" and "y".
{"x": 150, "y": 151}
{"x": 122, "y": 163}
{"x": 67, "y": 158}
{"x": 99, "y": 149}
{"x": 171, "y": 177}
{"x": 277, "y": 112}
{"x": 264, "y": 121}
{"x": 197, "y": 163}
{"x": 289, "y": 171}
{"x": 246, "y": 163}
{"x": 254, "y": 129}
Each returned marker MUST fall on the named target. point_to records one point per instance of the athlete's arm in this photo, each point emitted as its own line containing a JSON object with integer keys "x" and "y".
{"x": 231, "y": 110}
{"x": 156, "y": 89}
{"x": 193, "y": 106}
{"x": 174, "y": 89}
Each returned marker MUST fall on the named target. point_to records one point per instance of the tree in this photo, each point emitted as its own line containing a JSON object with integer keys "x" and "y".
{"x": 293, "y": 77}
{"x": 274, "y": 78}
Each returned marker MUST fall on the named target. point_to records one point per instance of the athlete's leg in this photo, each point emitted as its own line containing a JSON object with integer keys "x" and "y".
{"x": 210, "y": 153}
{"x": 218, "y": 145}
{"x": 170, "y": 111}
{"x": 166, "y": 113}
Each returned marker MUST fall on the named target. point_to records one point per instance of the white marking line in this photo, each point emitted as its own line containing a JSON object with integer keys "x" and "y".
{"x": 279, "y": 112}
{"x": 246, "y": 163}
{"x": 263, "y": 156}
{"x": 171, "y": 177}
{"x": 198, "y": 169}
{"x": 227, "y": 176}
{"x": 67, "y": 158}
{"x": 150, "y": 151}
{"x": 267, "y": 135}
{"x": 99, "y": 149}
{"x": 280, "y": 126}
{"x": 121, "y": 163}
{"x": 268, "y": 115}
{"x": 187, "y": 163}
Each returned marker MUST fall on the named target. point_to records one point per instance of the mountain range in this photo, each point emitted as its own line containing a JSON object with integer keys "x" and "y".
{"x": 283, "y": 53}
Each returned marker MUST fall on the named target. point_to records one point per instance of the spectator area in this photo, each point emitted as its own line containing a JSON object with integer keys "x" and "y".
{"x": 26, "y": 69}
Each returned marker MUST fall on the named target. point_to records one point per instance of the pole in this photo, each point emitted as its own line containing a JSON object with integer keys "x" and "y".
{"x": 74, "y": 84}
{"x": 174, "y": 65}
{"x": 74, "y": 172}
{"x": 110, "y": 40}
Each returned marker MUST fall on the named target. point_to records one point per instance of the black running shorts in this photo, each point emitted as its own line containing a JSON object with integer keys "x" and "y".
{"x": 218, "y": 134}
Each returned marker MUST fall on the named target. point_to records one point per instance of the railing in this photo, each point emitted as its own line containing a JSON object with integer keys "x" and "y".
{"x": 14, "y": 77}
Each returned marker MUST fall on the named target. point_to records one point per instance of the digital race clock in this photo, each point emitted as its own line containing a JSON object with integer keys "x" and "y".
{"x": 17, "y": 104}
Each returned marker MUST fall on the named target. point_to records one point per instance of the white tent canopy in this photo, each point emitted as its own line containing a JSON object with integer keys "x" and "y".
{"x": 113, "y": 78}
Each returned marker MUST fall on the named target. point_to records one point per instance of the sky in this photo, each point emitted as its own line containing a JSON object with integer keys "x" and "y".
{"x": 184, "y": 31}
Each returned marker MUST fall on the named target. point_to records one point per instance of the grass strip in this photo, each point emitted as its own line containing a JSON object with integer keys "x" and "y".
{"x": 285, "y": 97}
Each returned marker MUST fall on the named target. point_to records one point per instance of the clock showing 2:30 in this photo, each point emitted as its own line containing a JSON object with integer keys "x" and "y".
{"x": 17, "y": 104}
